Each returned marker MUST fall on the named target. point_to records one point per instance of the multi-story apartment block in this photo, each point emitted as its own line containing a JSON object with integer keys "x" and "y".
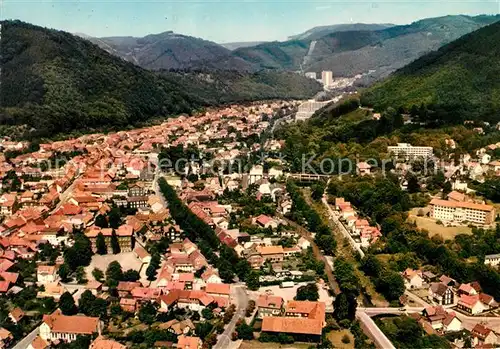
{"x": 452, "y": 211}
{"x": 124, "y": 234}
{"x": 409, "y": 151}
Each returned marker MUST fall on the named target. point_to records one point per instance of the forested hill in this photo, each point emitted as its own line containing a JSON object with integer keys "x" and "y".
{"x": 54, "y": 82}
{"x": 361, "y": 49}
{"x": 459, "y": 81}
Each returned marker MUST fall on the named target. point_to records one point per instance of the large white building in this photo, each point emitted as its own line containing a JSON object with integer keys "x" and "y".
{"x": 58, "y": 327}
{"x": 492, "y": 259}
{"x": 311, "y": 75}
{"x": 327, "y": 78}
{"x": 452, "y": 211}
{"x": 307, "y": 109}
{"x": 409, "y": 151}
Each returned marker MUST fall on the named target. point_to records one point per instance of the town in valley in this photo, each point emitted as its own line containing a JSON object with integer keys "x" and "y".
{"x": 280, "y": 209}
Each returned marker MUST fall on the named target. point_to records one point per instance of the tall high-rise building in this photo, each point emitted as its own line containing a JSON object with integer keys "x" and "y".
{"x": 327, "y": 77}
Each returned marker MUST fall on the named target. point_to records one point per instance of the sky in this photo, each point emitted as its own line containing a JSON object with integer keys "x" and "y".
{"x": 224, "y": 20}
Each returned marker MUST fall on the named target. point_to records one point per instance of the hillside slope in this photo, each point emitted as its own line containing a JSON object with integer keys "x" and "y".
{"x": 232, "y": 86}
{"x": 459, "y": 81}
{"x": 348, "y": 53}
{"x": 318, "y": 32}
{"x": 54, "y": 82}
{"x": 169, "y": 50}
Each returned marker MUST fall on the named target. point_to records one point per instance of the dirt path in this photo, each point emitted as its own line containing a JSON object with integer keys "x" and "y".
{"x": 317, "y": 253}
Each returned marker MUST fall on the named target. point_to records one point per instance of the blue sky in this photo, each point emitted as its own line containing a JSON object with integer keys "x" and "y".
{"x": 223, "y": 20}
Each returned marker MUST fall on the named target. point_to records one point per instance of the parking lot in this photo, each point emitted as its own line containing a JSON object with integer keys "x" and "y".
{"x": 127, "y": 260}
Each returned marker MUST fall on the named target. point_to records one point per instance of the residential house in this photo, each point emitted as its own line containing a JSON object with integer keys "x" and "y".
{"x": 193, "y": 300}
{"x": 53, "y": 290}
{"x": 57, "y": 327}
{"x": 303, "y": 321}
{"x": 143, "y": 255}
{"x": 128, "y": 304}
{"x": 291, "y": 251}
{"x": 103, "y": 343}
{"x": 440, "y": 319}
{"x": 428, "y": 277}
{"x": 269, "y": 306}
{"x": 218, "y": 290}
{"x": 483, "y": 335}
{"x": 413, "y": 279}
{"x": 273, "y": 254}
{"x": 177, "y": 327}
{"x": 38, "y": 343}
{"x": 476, "y": 304}
{"x": 211, "y": 276}
{"x": 6, "y": 338}
{"x": 8, "y": 204}
{"x": 303, "y": 243}
{"x": 46, "y": 274}
{"x": 441, "y": 294}
{"x": 265, "y": 222}
{"x": 16, "y": 315}
{"x": 363, "y": 168}
{"x": 466, "y": 289}
{"x": 125, "y": 288}
{"x": 254, "y": 258}
{"x": 185, "y": 342}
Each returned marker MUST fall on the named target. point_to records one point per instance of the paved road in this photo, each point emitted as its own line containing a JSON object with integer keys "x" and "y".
{"x": 23, "y": 344}
{"x": 468, "y": 322}
{"x": 372, "y": 330}
{"x": 317, "y": 253}
{"x": 240, "y": 297}
{"x": 65, "y": 194}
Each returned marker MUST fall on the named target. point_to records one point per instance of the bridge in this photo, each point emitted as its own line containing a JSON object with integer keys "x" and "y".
{"x": 309, "y": 177}
{"x": 372, "y": 330}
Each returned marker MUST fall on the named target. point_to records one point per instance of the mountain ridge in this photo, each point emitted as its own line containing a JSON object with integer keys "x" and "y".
{"x": 457, "y": 82}
{"x": 169, "y": 50}
{"x": 54, "y": 82}
{"x": 382, "y": 51}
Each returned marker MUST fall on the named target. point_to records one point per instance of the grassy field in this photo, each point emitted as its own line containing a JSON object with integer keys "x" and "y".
{"x": 447, "y": 233}
{"x": 259, "y": 345}
{"x": 336, "y": 338}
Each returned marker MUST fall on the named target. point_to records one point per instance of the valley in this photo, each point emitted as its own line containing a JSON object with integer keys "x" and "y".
{"x": 339, "y": 188}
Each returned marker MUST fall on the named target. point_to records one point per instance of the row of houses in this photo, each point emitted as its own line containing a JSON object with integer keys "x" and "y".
{"x": 359, "y": 228}
{"x": 445, "y": 291}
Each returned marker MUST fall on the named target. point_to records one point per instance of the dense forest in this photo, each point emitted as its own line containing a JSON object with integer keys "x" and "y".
{"x": 218, "y": 87}
{"x": 458, "y": 82}
{"x": 54, "y": 82}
